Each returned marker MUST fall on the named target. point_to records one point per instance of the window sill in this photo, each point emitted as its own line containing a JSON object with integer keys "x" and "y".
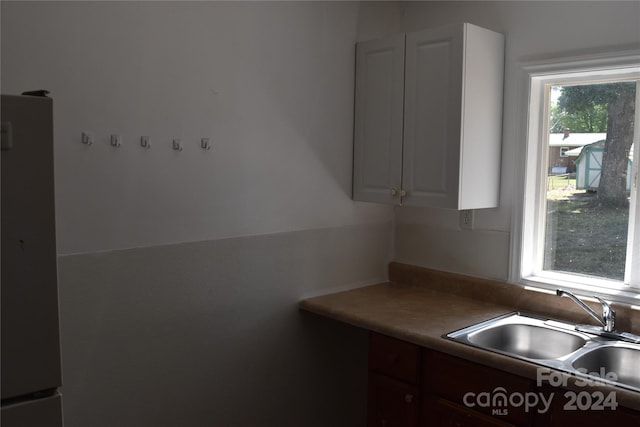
{"x": 610, "y": 290}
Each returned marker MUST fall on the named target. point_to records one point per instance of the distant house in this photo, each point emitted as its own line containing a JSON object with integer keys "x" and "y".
{"x": 561, "y": 143}
{"x": 589, "y": 165}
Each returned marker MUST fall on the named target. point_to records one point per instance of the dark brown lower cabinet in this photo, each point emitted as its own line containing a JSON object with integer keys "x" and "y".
{"x": 444, "y": 413}
{"x": 462, "y": 393}
{"x": 394, "y": 382}
{"x": 410, "y": 386}
{"x": 565, "y": 413}
{"x": 392, "y": 403}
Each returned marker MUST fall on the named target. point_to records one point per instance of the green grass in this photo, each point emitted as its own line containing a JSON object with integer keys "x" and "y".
{"x": 584, "y": 237}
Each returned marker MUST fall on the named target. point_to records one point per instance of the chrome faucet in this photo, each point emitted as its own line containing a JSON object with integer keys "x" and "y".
{"x": 608, "y": 319}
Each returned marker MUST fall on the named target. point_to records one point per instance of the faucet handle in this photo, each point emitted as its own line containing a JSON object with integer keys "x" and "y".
{"x": 605, "y": 305}
{"x": 608, "y": 315}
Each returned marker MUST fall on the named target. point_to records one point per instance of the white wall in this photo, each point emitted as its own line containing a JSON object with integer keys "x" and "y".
{"x": 534, "y": 30}
{"x": 180, "y": 273}
{"x": 209, "y": 333}
{"x": 270, "y": 83}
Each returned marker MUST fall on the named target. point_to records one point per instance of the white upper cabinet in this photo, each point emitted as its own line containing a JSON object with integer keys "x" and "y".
{"x": 428, "y": 118}
{"x": 379, "y": 120}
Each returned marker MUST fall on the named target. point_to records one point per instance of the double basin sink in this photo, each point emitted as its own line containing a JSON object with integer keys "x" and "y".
{"x": 558, "y": 345}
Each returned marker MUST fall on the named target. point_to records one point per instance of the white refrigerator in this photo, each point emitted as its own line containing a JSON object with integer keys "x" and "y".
{"x": 30, "y": 352}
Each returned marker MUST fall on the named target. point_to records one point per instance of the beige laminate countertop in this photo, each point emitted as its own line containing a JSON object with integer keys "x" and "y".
{"x": 421, "y": 315}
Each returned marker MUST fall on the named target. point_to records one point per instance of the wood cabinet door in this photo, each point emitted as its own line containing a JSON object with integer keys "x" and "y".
{"x": 564, "y": 413}
{"x": 394, "y": 358}
{"x": 391, "y": 403}
{"x": 461, "y": 382}
{"x": 620, "y": 418}
{"x": 377, "y": 163}
{"x": 448, "y": 414}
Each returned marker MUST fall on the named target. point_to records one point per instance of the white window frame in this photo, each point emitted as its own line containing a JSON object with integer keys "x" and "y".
{"x": 527, "y": 237}
{"x": 563, "y": 151}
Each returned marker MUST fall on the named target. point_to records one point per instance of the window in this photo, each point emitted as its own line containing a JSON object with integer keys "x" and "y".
{"x": 581, "y": 230}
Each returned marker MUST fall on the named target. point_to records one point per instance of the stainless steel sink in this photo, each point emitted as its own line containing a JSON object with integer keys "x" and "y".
{"x": 530, "y": 341}
{"x": 556, "y": 344}
{"x": 618, "y": 363}
{"x": 524, "y": 336}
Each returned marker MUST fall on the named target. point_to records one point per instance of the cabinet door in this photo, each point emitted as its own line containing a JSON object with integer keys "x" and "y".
{"x": 391, "y": 403}
{"x": 563, "y": 415}
{"x": 447, "y": 414}
{"x": 618, "y": 418}
{"x": 432, "y": 117}
{"x": 377, "y": 167}
{"x": 394, "y": 358}
{"x": 461, "y": 382}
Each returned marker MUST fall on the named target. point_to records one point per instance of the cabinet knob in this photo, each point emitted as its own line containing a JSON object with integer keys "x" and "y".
{"x": 403, "y": 193}
{"x": 408, "y": 398}
{"x": 394, "y": 192}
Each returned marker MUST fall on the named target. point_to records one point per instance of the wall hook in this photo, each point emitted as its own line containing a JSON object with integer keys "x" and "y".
{"x": 177, "y": 145}
{"x": 205, "y": 144}
{"x": 87, "y": 138}
{"x": 116, "y": 140}
{"x": 145, "y": 142}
